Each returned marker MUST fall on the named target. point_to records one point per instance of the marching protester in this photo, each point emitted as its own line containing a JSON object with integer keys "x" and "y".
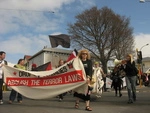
{"x": 117, "y": 80}
{"x": 131, "y": 77}
{"x": 33, "y": 68}
{"x": 13, "y": 93}
{"x": 61, "y": 96}
{"x": 2, "y": 62}
{"x": 84, "y": 55}
{"x": 98, "y": 75}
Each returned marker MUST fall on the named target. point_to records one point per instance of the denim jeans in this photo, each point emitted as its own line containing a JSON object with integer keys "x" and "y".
{"x": 13, "y": 96}
{"x": 131, "y": 86}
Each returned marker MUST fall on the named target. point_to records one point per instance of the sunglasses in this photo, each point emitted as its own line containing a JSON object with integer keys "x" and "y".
{"x": 84, "y": 53}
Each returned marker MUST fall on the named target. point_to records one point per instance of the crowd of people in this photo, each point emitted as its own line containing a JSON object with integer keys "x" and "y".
{"x": 95, "y": 79}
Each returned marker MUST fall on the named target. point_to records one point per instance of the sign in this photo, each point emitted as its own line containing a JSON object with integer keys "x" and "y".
{"x": 47, "y": 84}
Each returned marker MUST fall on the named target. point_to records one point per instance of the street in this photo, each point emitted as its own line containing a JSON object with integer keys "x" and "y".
{"x": 108, "y": 103}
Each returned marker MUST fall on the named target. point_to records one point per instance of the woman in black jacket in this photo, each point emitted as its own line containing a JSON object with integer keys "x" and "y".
{"x": 87, "y": 63}
{"x": 131, "y": 77}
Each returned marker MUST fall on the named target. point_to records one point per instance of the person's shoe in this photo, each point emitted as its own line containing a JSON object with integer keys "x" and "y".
{"x": 134, "y": 99}
{"x": 1, "y": 102}
{"x": 88, "y": 108}
{"x": 120, "y": 95}
{"x": 60, "y": 100}
{"x": 10, "y": 102}
{"x": 76, "y": 105}
{"x": 98, "y": 96}
{"x": 20, "y": 101}
{"x": 130, "y": 101}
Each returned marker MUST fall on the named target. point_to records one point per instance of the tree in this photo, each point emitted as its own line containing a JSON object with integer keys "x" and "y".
{"x": 103, "y": 33}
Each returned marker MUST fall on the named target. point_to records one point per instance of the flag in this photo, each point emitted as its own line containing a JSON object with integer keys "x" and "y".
{"x": 62, "y": 39}
{"x": 72, "y": 55}
{"x": 44, "y": 67}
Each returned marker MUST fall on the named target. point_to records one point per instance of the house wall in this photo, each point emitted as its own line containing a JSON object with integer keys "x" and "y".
{"x": 48, "y": 56}
{"x": 38, "y": 60}
{"x": 54, "y": 57}
{"x": 146, "y": 65}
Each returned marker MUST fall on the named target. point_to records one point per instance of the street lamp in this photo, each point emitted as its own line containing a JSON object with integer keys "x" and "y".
{"x": 143, "y": 46}
{"x": 143, "y": 1}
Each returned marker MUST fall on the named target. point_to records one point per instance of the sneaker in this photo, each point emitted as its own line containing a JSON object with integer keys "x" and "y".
{"x": 1, "y": 102}
{"x": 130, "y": 101}
{"x": 20, "y": 101}
{"x": 98, "y": 96}
{"x": 134, "y": 99}
{"x": 10, "y": 102}
{"x": 60, "y": 100}
{"x": 120, "y": 95}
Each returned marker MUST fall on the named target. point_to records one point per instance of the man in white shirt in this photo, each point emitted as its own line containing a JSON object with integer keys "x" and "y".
{"x": 2, "y": 62}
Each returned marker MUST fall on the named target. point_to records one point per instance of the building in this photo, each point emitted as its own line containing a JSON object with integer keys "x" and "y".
{"x": 46, "y": 55}
{"x": 145, "y": 64}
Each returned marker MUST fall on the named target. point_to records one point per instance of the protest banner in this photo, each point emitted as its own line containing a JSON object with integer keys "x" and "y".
{"x": 47, "y": 84}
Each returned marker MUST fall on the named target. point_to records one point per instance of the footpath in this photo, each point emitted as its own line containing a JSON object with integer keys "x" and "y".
{"x": 138, "y": 89}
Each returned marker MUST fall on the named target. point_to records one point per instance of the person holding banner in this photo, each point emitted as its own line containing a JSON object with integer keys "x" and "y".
{"x": 13, "y": 93}
{"x": 84, "y": 55}
{"x": 61, "y": 96}
{"x": 2, "y": 62}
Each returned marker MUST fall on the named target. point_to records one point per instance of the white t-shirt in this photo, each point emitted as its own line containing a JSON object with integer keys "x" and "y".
{"x": 1, "y": 72}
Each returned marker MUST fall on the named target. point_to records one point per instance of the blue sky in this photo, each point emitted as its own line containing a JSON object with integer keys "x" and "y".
{"x": 26, "y": 24}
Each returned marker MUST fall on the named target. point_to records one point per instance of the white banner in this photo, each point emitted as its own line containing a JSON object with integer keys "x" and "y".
{"x": 47, "y": 84}
{"x": 124, "y": 81}
{"x": 108, "y": 82}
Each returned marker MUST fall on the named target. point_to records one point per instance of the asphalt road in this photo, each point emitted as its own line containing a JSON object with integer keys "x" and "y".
{"x": 108, "y": 103}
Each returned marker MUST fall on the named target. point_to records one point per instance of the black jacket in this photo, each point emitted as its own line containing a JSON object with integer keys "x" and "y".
{"x": 129, "y": 68}
{"x": 88, "y": 67}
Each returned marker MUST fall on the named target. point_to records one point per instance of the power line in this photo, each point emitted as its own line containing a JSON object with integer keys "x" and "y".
{"x": 27, "y": 10}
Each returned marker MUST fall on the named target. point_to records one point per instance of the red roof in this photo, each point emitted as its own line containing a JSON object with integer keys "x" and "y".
{"x": 27, "y": 57}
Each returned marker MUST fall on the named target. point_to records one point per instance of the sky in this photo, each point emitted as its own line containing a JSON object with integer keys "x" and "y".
{"x": 26, "y": 24}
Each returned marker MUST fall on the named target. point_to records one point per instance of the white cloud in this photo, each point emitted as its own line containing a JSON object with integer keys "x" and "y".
{"x": 140, "y": 41}
{"x": 21, "y": 17}
{"x": 28, "y": 44}
{"x": 30, "y": 14}
{"x": 34, "y": 4}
